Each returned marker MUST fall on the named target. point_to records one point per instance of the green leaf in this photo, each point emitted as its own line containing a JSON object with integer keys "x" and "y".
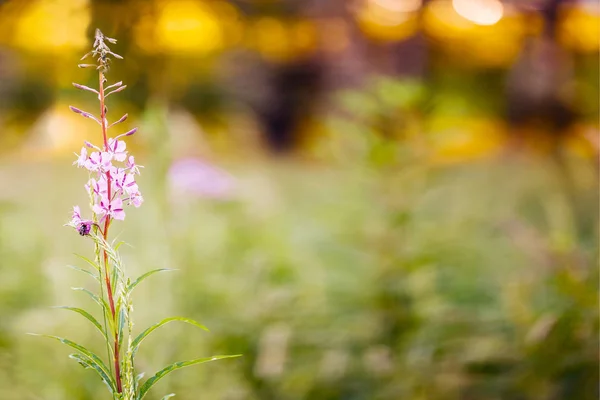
{"x": 144, "y": 276}
{"x": 168, "y": 396}
{"x": 136, "y": 342}
{"x": 87, "y": 260}
{"x": 102, "y": 303}
{"x": 86, "y": 315}
{"x": 88, "y": 356}
{"x": 170, "y": 368}
{"x": 119, "y": 244}
{"x": 84, "y": 271}
{"x": 87, "y": 364}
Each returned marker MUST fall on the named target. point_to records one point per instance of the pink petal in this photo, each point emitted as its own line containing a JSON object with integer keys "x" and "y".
{"x": 98, "y": 210}
{"x": 118, "y": 214}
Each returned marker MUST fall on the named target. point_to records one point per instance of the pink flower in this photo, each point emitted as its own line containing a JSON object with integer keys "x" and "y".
{"x": 82, "y": 158}
{"x": 116, "y": 148}
{"x": 131, "y": 165}
{"x": 92, "y": 186}
{"x": 99, "y": 186}
{"x": 76, "y": 216}
{"x": 83, "y": 226}
{"x": 136, "y": 199}
{"x": 98, "y": 162}
{"x": 113, "y": 209}
{"x": 125, "y": 182}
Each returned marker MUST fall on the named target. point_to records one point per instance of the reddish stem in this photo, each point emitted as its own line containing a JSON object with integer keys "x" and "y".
{"x": 105, "y": 235}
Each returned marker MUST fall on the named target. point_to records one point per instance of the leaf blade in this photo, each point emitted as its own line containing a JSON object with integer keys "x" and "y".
{"x": 139, "y": 338}
{"x": 83, "y": 270}
{"x": 86, "y": 315}
{"x": 102, "y": 303}
{"x": 87, "y": 364}
{"x": 175, "y": 366}
{"x": 146, "y": 275}
{"x": 87, "y": 260}
{"x": 91, "y": 357}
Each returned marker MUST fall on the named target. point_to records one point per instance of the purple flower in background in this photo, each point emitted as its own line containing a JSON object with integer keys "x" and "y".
{"x": 196, "y": 178}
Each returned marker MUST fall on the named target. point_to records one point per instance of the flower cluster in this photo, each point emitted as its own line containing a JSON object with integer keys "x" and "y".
{"x": 111, "y": 186}
{"x": 112, "y": 183}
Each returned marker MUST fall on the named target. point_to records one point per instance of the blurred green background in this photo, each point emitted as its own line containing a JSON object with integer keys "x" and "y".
{"x": 376, "y": 199}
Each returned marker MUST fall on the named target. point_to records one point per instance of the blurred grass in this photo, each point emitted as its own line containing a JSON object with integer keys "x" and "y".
{"x": 351, "y": 281}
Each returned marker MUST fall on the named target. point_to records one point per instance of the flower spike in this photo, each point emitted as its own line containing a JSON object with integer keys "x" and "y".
{"x": 111, "y": 186}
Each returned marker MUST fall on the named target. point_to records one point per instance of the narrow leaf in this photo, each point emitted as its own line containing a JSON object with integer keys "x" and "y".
{"x": 168, "y": 396}
{"x": 170, "y": 368}
{"x": 136, "y": 342}
{"x": 83, "y": 270}
{"x": 88, "y": 356}
{"x": 87, "y": 315}
{"x": 146, "y": 275}
{"x": 87, "y": 260}
{"x": 102, "y": 303}
{"x": 85, "y": 363}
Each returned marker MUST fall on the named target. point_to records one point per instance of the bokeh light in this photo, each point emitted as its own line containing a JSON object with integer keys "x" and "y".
{"x": 36, "y": 28}
{"x": 480, "y": 12}
{"x": 388, "y": 20}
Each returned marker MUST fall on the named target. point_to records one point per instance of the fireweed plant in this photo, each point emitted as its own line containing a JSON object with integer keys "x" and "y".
{"x": 112, "y": 186}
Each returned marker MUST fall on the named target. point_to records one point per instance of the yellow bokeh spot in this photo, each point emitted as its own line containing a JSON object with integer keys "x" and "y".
{"x": 281, "y": 41}
{"x": 52, "y": 26}
{"x": 231, "y": 22}
{"x": 495, "y": 45}
{"x": 181, "y": 26}
{"x": 271, "y": 39}
{"x": 58, "y": 131}
{"x": 579, "y": 28}
{"x": 480, "y": 12}
{"x": 455, "y": 140}
{"x": 387, "y": 20}
{"x": 304, "y": 37}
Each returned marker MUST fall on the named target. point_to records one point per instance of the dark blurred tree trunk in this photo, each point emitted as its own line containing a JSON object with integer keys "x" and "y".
{"x": 538, "y": 86}
{"x": 295, "y": 87}
{"x": 540, "y": 101}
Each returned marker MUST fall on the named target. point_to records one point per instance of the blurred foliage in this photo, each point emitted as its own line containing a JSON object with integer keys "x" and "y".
{"x": 370, "y": 278}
